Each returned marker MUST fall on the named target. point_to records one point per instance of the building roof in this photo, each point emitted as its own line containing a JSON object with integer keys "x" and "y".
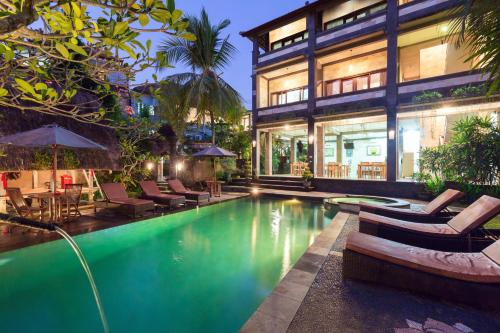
{"x": 283, "y": 19}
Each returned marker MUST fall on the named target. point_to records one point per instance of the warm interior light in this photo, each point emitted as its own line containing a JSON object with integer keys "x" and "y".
{"x": 287, "y": 127}
{"x": 392, "y": 134}
{"x": 311, "y": 139}
{"x": 350, "y": 68}
{"x": 150, "y": 166}
{"x": 179, "y": 166}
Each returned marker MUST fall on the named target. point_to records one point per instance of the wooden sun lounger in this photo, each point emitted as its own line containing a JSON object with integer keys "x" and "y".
{"x": 461, "y": 233}
{"x": 469, "y": 278}
{"x": 152, "y": 192}
{"x": 432, "y": 212}
{"x": 178, "y": 188}
{"x": 115, "y": 193}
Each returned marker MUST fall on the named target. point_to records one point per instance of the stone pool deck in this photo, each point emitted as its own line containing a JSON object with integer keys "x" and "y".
{"x": 89, "y": 222}
{"x": 313, "y": 297}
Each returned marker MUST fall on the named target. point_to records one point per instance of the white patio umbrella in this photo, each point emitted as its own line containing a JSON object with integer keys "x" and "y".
{"x": 52, "y": 136}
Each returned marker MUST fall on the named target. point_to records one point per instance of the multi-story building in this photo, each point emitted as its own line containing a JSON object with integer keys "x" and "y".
{"x": 336, "y": 85}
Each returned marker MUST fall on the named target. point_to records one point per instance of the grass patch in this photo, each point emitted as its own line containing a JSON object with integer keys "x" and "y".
{"x": 494, "y": 223}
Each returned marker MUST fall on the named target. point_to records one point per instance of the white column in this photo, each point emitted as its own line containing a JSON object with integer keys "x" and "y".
{"x": 160, "y": 177}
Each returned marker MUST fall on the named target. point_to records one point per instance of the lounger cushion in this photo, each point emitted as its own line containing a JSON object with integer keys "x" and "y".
{"x": 134, "y": 202}
{"x": 149, "y": 187}
{"x": 167, "y": 199}
{"x": 493, "y": 252}
{"x": 477, "y": 214}
{"x": 442, "y": 201}
{"x": 422, "y": 228}
{"x": 373, "y": 208}
{"x": 472, "y": 267}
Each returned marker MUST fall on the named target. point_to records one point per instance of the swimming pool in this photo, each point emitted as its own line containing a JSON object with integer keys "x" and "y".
{"x": 204, "y": 270}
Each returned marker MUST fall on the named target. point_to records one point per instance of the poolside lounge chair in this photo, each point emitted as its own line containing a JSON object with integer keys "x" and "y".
{"x": 21, "y": 206}
{"x": 462, "y": 233}
{"x": 178, "y": 188}
{"x": 433, "y": 211}
{"x": 115, "y": 193}
{"x": 152, "y": 192}
{"x": 469, "y": 278}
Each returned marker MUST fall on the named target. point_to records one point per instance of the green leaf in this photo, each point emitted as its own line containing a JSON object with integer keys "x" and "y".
{"x": 76, "y": 9}
{"x": 3, "y": 92}
{"x": 62, "y": 50}
{"x": 176, "y": 15}
{"x": 143, "y": 19}
{"x": 148, "y": 44}
{"x": 160, "y": 15}
{"x": 40, "y": 86}
{"x": 188, "y": 36}
{"x": 120, "y": 28}
{"x": 171, "y": 5}
{"x": 78, "y": 24}
{"x": 129, "y": 50}
{"x": 25, "y": 86}
{"x": 76, "y": 48}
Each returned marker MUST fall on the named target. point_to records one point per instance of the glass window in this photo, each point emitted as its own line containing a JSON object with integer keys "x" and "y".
{"x": 293, "y": 96}
{"x": 305, "y": 93}
{"x": 347, "y": 86}
{"x": 362, "y": 82}
{"x": 283, "y": 151}
{"x": 353, "y": 148}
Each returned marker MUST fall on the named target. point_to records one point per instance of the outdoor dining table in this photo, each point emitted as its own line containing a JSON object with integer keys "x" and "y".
{"x": 54, "y": 202}
{"x": 214, "y": 188}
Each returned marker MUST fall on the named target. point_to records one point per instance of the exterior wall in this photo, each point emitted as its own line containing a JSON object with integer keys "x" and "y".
{"x": 287, "y": 30}
{"x": 397, "y": 58}
{"x": 356, "y": 66}
{"x": 441, "y": 59}
{"x": 287, "y": 83}
{"x": 345, "y": 7}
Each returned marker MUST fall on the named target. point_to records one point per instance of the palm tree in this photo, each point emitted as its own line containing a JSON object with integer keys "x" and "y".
{"x": 477, "y": 25}
{"x": 207, "y": 56}
{"x": 174, "y": 111}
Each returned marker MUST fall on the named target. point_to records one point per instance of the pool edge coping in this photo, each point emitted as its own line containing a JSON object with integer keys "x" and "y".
{"x": 277, "y": 311}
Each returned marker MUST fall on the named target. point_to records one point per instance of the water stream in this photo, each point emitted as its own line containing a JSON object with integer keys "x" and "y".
{"x": 87, "y": 270}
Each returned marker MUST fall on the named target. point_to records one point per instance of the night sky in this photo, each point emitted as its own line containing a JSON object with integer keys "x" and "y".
{"x": 243, "y": 15}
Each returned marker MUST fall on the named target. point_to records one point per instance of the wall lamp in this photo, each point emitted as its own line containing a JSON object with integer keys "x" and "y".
{"x": 254, "y": 143}
{"x": 311, "y": 139}
{"x": 391, "y": 134}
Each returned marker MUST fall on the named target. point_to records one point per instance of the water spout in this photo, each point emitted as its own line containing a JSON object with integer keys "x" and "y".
{"x": 23, "y": 222}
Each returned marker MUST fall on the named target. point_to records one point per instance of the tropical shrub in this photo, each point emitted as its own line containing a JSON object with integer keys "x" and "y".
{"x": 471, "y": 158}
{"x": 427, "y": 97}
{"x": 469, "y": 91}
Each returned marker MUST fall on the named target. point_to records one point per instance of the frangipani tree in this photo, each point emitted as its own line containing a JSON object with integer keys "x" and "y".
{"x": 49, "y": 48}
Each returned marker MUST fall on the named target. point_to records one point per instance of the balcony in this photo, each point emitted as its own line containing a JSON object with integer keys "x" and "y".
{"x": 352, "y": 75}
{"x": 348, "y": 19}
{"x": 283, "y": 89}
{"x": 412, "y": 9}
{"x": 285, "y": 40}
{"x": 428, "y": 60}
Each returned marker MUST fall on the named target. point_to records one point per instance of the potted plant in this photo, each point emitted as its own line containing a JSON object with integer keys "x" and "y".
{"x": 307, "y": 178}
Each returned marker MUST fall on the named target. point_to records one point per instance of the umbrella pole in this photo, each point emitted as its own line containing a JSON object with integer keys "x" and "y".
{"x": 54, "y": 167}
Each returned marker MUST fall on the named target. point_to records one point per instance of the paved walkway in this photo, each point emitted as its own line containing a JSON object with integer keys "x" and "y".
{"x": 336, "y": 305}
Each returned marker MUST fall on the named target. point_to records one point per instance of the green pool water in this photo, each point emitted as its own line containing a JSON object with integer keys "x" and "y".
{"x": 204, "y": 270}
